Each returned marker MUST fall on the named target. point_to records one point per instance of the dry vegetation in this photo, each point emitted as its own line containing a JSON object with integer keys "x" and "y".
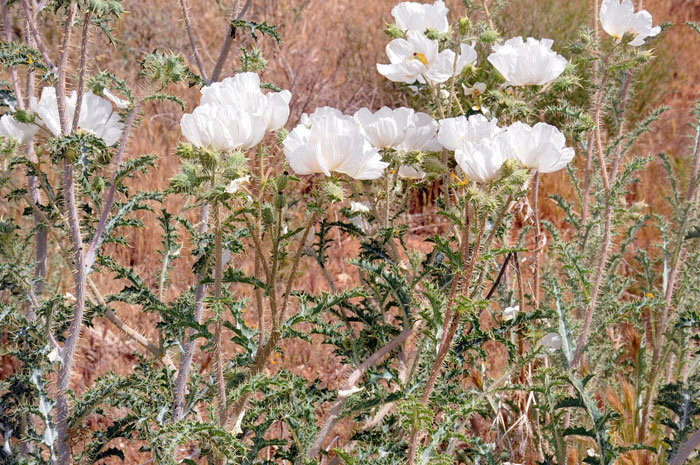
{"x": 327, "y": 57}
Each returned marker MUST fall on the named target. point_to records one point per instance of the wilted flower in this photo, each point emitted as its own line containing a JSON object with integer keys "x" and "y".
{"x": 418, "y": 17}
{"x": 541, "y": 147}
{"x": 328, "y": 141}
{"x": 386, "y": 128}
{"x": 531, "y": 63}
{"x": 482, "y": 161}
{"x": 510, "y": 313}
{"x": 96, "y": 114}
{"x": 454, "y": 132}
{"x": 118, "y": 102}
{"x": 417, "y": 58}
{"x": 235, "y": 185}
{"x": 359, "y": 207}
{"x": 411, "y": 172}
{"x": 22, "y": 132}
{"x": 243, "y": 91}
{"x": 222, "y": 127}
{"x": 618, "y": 18}
{"x": 551, "y": 340}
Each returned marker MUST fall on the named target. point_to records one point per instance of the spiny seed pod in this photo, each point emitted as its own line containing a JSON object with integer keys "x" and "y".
{"x": 282, "y": 181}
{"x": 280, "y": 201}
{"x": 509, "y": 167}
{"x": 268, "y": 216}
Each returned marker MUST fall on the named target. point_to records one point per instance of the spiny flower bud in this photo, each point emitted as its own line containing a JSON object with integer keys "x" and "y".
{"x": 268, "y": 216}
{"x": 432, "y": 34}
{"x": 489, "y": 37}
{"x": 509, "y": 167}
{"x": 280, "y": 201}
{"x": 282, "y": 181}
{"x": 393, "y": 31}
{"x": 465, "y": 25}
{"x": 334, "y": 193}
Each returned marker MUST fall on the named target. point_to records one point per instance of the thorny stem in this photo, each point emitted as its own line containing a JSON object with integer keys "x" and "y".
{"x": 607, "y": 236}
{"x": 218, "y": 349}
{"x": 484, "y": 3}
{"x": 29, "y": 15}
{"x": 347, "y": 391}
{"x": 265, "y": 351}
{"x": 675, "y": 265}
{"x": 226, "y": 47}
{"x": 193, "y": 43}
{"x": 588, "y": 170}
{"x": 83, "y": 70}
{"x": 451, "y": 321}
{"x": 538, "y": 238}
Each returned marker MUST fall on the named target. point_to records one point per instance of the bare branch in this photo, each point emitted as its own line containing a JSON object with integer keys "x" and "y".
{"x": 226, "y": 48}
{"x": 193, "y": 42}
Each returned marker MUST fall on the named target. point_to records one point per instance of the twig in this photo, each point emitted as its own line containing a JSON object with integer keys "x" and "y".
{"x": 83, "y": 70}
{"x": 226, "y": 47}
{"x": 193, "y": 42}
{"x": 37, "y": 37}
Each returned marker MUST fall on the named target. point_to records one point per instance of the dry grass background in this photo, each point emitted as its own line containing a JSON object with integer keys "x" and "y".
{"x": 328, "y": 58}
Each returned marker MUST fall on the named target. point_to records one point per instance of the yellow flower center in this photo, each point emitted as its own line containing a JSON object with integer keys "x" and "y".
{"x": 420, "y": 57}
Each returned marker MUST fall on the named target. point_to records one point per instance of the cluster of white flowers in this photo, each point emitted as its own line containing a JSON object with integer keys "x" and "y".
{"x": 418, "y": 58}
{"x": 235, "y": 114}
{"x": 481, "y": 147}
{"x": 97, "y": 116}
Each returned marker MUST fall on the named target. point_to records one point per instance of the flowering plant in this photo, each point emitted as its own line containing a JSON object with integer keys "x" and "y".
{"x": 533, "y": 322}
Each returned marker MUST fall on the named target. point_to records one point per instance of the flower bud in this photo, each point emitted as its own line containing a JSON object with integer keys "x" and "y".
{"x": 393, "y": 31}
{"x": 282, "y": 181}
{"x": 489, "y": 37}
{"x": 334, "y": 193}
{"x": 280, "y": 201}
{"x": 432, "y": 34}
{"x": 268, "y": 216}
{"x": 509, "y": 167}
{"x": 465, "y": 25}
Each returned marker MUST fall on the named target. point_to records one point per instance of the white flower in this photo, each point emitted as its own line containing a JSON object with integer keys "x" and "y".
{"x": 235, "y": 185}
{"x": 349, "y": 392}
{"x": 328, "y": 141}
{"x": 618, "y": 18}
{"x": 243, "y": 91}
{"x": 118, "y": 102}
{"x": 22, "y": 132}
{"x": 467, "y": 56}
{"x": 551, "y": 341}
{"x": 222, "y": 127}
{"x": 541, "y": 147}
{"x": 476, "y": 90}
{"x": 531, "y": 63}
{"x": 96, "y": 114}
{"x": 417, "y": 58}
{"x": 411, "y": 172}
{"x": 454, "y": 132}
{"x": 417, "y": 17}
{"x": 421, "y": 134}
{"x": 510, "y": 313}
{"x": 359, "y": 207}
{"x": 482, "y": 161}
{"x": 386, "y": 128}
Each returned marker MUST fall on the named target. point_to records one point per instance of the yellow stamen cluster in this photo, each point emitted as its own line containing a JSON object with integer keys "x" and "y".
{"x": 420, "y": 57}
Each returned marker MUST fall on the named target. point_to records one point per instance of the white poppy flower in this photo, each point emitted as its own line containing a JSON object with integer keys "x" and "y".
{"x": 328, "y": 141}
{"x": 96, "y": 114}
{"x": 222, "y": 127}
{"x": 541, "y": 147}
{"x": 531, "y": 63}
{"x": 551, "y": 341}
{"x": 243, "y": 91}
{"x": 467, "y": 56}
{"x": 417, "y": 58}
{"x": 421, "y": 134}
{"x": 118, "y": 102}
{"x": 454, "y": 132}
{"x": 235, "y": 185}
{"x": 510, "y": 313}
{"x": 482, "y": 161}
{"x": 618, "y": 18}
{"x": 359, "y": 207}
{"x": 11, "y": 128}
{"x": 411, "y": 172}
{"x": 386, "y": 128}
{"x": 477, "y": 89}
{"x": 417, "y": 17}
